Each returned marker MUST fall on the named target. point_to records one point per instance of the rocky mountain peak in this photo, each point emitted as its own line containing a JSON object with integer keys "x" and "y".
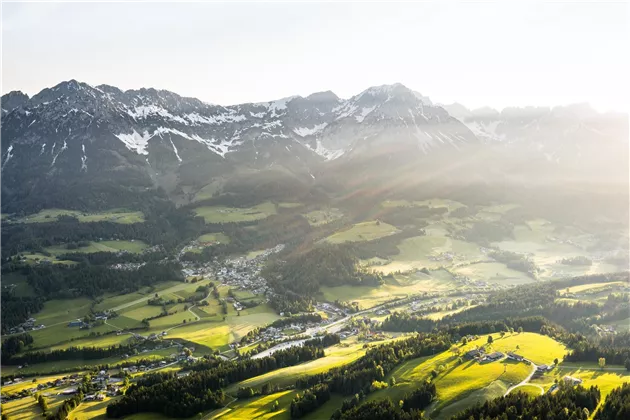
{"x": 12, "y": 100}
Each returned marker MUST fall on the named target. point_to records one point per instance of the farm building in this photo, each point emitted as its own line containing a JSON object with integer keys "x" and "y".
{"x": 473, "y": 354}
{"x": 495, "y": 356}
{"x": 571, "y": 380}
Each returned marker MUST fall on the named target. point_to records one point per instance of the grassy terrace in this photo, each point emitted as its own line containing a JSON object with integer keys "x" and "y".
{"x": 402, "y": 286}
{"x": 336, "y": 356}
{"x": 50, "y": 215}
{"x": 461, "y": 385}
{"x": 220, "y": 214}
{"x": 365, "y": 231}
{"x": 102, "y": 246}
{"x": 323, "y": 216}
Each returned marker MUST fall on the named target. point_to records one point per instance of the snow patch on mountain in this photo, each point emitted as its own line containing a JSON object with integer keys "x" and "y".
{"x": 135, "y": 142}
{"x": 175, "y": 149}
{"x": 63, "y": 148}
{"x": 324, "y": 152}
{"x": 279, "y": 105}
{"x": 487, "y": 131}
{"x": 83, "y": 159}
{"x": 9, "y": 156}
{"x": 229, "y": 117}
{"x": 306, "y": 131}
{"x": 364, "y": 113}
{"x": 144, "y": 111}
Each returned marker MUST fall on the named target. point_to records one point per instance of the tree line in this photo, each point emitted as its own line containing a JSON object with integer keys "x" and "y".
{"x": 70, "y": 353}
{"x": 359, "y": 376}
{"x": 567, "y": 403}
{"x": 617, "y": 404}
{"x": 90, "y": 280}
{"x": 14, "y": 345}
{"x": 326, "y": 265}
{"x": 202, "y": 390}
{"x": 410, "y": 407}
{"x": 15, "y": 310}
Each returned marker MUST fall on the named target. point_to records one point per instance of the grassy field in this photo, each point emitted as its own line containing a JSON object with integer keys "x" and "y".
{"x": 132, "y": 309}
{"x": 433, "y": 203}
{"x": 217, "y": 334}
{"x": 21, "y": 287}
{"x": 258, "y": 408}
{"x": 415, "y": 253}
{"x": 91, "y": 410}
{"x": 458, "y": 385}
{"x": 540, "y": 349}
{"x": 142, "y": 311}
{"x": 535, "y": 237}
{"x": 58, "y": 334}
{"x": 365, "y": 231}
{"x": 115, "y": 215}
{"x": 113, "y": 301}
{"x": 532, "y": 391}
{"x": 214, "y": 237}
{"x": 439, "y": 315}
{"x": 220, "y": 214}
{"x": 208, "y": 191}
{"x": 103, "y": 246}
{"x": 27, "y": 408}
{"x": 36, "y": 257}
{"x": 62, "y": 311}
{"x": 501, "y": 208}
{"x": 253, "y": 254}
{"x": 605, "y": 380}
{"x": 402, "y": 286}
{"x": 322, "y": 217}
{"x": 494, "y": 272}
{"x": 461, "y": 385}
{"x": 337, "y": 355}
{"x": 289, "y": 205}
{"x": 591, "y": 287}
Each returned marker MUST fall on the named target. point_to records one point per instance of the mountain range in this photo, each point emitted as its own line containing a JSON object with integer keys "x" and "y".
{"x": 107, "y": 145}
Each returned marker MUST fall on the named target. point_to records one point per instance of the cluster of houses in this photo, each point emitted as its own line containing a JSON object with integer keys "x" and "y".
{"x": 156, "y": 336}
{"x": 28, "y": 325}
{"x": 127, "y": 266}
{"x": 480, "y": 355}
{"x": 330, "y": 309}
{"x": 143, "y": 368}
{"x": 242, "y": 272}
{"x": 70, "y": 380}
{"x": 443, "y": 256}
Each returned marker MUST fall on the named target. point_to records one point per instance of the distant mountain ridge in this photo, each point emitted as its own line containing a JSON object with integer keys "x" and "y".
{"x": 110, "y": 142}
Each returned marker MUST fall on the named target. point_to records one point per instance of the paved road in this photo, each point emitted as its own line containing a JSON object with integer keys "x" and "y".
{"x": 526, "y": 380}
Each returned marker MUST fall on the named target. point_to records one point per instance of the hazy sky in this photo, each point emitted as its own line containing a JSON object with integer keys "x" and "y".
{"x": 510, "y": 53}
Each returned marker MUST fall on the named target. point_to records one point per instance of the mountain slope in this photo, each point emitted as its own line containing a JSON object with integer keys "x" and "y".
{"x": 74, "y": 135}
{"x": 81, "y": 146}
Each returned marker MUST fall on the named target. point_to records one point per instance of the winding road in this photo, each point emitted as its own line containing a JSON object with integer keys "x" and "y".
{"x": 526, "y": 380}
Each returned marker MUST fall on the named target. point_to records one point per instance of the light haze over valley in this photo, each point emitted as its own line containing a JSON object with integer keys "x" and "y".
{"x": 315, "y": 211}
